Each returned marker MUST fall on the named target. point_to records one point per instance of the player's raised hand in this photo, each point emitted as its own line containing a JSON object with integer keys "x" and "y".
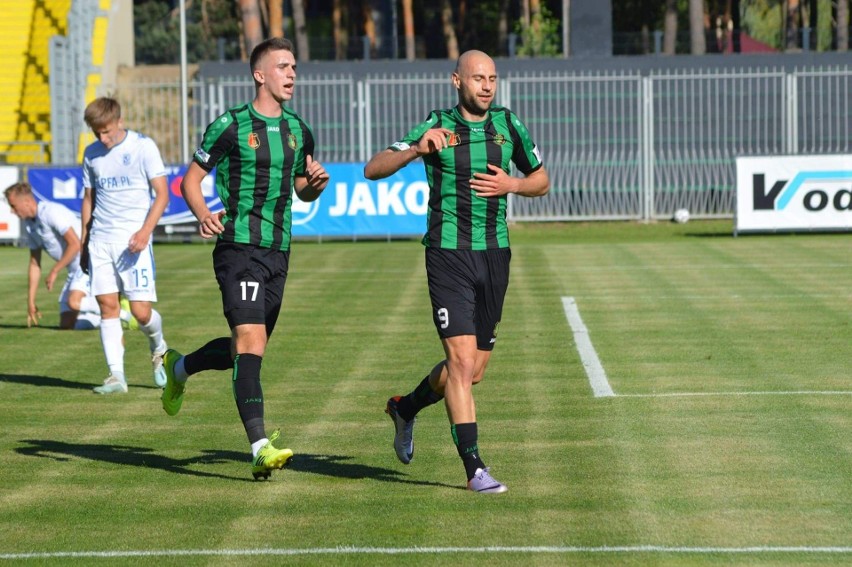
{"x": 315, "y": 174}
{"x": 211, "y": 225}
{"x": 434, "y": 140}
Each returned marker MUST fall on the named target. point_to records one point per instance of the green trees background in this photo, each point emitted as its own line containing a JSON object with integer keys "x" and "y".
{"x": 353, "y": 29}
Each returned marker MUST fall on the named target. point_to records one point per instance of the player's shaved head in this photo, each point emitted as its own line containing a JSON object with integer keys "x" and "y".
{"x": 470, "y": 59}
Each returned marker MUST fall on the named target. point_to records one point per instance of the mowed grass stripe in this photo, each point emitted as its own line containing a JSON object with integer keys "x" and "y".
{"x": 530, "y": 374}
{"x": 801, "y": 350}
{"x": 744, "y": 472}
{"x": 660, "y": 269}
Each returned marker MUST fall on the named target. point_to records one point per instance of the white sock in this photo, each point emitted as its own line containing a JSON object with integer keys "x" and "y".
{"x": 258, "y": 445}
{"x": 154, "y": 331}
{"x": 89, "y": 305}
{"x": 111, "y": 339}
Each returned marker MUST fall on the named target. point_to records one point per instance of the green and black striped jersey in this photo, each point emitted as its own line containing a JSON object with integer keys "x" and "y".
{"x": 457, "y": 218}
{"x": 256, "y": 159}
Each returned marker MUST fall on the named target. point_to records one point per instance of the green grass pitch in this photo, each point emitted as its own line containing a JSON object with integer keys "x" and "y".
{"x": 729, "y": 439}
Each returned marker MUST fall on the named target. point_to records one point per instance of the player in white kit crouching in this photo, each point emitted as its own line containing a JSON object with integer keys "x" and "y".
{"x": 120, "y": 171}
{"x": 54, "y": 228}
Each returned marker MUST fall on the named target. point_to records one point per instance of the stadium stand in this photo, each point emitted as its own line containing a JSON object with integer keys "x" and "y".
{"x": 48, "y": 19}
{"x": 26, "y": 29}
{"x": 26, "y": 33}
{"x": 14, "y": 43}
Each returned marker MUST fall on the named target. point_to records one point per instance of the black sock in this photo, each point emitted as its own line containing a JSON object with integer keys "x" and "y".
{"x": 215, "y": 355}
{"x": 422, "y": 396}
{"x": 249, "y": 395}
{"x": 465, "y": 436}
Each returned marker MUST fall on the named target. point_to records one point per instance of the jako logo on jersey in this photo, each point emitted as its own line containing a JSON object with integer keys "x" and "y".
{"x": 125, "y": 159}
{"x": 254, "y": 141}
{"x": 291, "y": 141}
{"x": 453, "y": 139}
{"x": 814, "y": 186}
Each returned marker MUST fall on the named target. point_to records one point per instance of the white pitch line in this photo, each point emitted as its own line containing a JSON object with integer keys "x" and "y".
{"x": 591, "y": 362}
{"x": 751, "y": 550}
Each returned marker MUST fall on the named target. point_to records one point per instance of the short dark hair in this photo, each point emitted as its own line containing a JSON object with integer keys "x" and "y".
{"x": 271, "y": 44}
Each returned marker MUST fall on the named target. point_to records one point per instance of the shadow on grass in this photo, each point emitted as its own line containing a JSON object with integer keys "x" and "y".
{"x": 328, "y": 465}
{"x": 47, "y": 381}
{"x": 133, "y": 456}
{"x": 337, "y": 466}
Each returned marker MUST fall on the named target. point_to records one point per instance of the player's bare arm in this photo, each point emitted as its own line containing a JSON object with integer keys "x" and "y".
{"x": 33, "y": 276}
{"x": 310, "y": 186}
{"x": 190, "y": 188}
{"x": 387, "y": 162}
{"x": 86, "y": 222}
{"x": 72, "y": 248}
{"x": 497, "y": 182}
{"x": 139, "y": 239}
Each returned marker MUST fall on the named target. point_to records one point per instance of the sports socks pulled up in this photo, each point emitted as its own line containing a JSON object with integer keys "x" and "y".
{"x": 215, "y": 355}
{"x": 422, "y": 396}
{"x": 465, "y": 437}
{"x": 248, "y": 394}
{"x": 153, "y": 329}
{"x": 113, "y": 345}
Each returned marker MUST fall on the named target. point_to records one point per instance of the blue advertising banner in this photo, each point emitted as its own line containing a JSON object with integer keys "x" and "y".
{"x": 350, "y": 207}
{"x": 65, "y": 185}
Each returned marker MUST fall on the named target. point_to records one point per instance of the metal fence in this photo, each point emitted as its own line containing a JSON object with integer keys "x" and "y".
{"x": 617, "y": 144}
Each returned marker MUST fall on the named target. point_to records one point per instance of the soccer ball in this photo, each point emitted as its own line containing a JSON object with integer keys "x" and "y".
{"x": 681, "y": 216}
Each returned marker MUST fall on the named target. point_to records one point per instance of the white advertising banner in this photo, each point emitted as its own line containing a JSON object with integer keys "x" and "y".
{"x": 794, "y": 193}
{"x": 10, "y": 225}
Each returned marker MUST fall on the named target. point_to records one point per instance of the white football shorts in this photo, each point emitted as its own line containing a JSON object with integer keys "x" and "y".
{"x": 113, "y": 269}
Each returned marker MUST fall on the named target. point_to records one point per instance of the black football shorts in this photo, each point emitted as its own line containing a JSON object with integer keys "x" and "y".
{"x": 467, "y": 288}
{"x": 251, "y": 280}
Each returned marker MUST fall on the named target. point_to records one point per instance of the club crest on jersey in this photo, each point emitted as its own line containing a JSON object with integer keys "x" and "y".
{"x": 499, "y": 139}
{"x": 291, "y": 141}
{"x": 254, "y": 141}
{"x": 125, "y": 159}
{"x": 453, "y": 139}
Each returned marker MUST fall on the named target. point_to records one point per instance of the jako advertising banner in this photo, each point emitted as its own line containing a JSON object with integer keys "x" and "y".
{"x": 350, "y": 207}
{"x": 794, "y": 193}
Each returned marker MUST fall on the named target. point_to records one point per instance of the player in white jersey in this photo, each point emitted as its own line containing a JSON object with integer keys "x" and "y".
{"x": 52, "y": 227}
{"x": 120, "y": 171}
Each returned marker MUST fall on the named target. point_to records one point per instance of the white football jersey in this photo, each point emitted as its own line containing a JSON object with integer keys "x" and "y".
{"x": 47, "y": 230}
{"x": 119, "y": 178}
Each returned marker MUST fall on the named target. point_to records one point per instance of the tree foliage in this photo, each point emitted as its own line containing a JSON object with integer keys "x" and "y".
{"x": 541, "y": 37}
{"x": 157, "y": 30}
{"x": 335, "y": 29}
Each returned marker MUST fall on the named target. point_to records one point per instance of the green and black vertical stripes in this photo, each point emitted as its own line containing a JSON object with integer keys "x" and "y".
{"x": 257, "y": 159}
{"x": 457, "y": 218}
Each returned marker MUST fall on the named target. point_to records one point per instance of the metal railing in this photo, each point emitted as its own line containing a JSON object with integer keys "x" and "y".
{"x": 617, "y": 144}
